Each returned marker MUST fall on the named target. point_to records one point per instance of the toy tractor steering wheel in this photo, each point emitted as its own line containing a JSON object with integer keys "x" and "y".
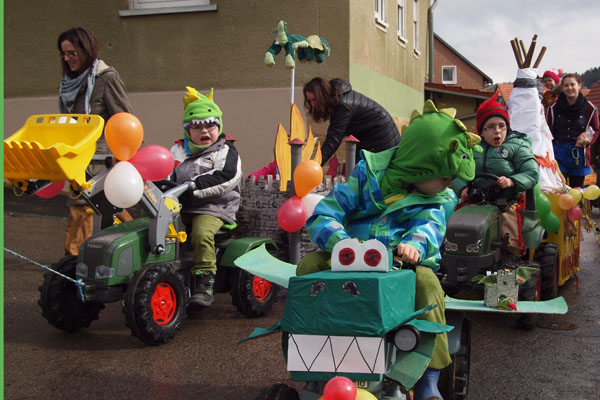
{"x": 165, "y": 184}
{"x": 483, "y": 188}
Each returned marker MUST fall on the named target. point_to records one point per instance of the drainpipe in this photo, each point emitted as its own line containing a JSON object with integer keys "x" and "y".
{"x": 430, "y": 29}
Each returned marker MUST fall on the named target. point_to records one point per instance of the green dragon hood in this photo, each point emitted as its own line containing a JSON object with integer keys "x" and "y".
{"x": 433, "y": 145}
{"x": 200, "y": 107}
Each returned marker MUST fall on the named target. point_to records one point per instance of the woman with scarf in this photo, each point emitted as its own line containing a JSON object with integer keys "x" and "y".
{"x": 88, "y": 86}
{"x": 573, "y": 121}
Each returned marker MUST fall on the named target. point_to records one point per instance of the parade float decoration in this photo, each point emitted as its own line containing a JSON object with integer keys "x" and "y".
{"x": 358, "y": 319}
{"x": 561, "y": 209}
{"x": 307, "y": 49}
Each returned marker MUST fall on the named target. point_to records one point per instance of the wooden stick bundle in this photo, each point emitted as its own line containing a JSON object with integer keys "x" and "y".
{"x": 523, "y": 55}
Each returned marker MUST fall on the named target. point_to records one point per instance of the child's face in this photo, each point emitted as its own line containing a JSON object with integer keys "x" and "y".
{"x": 548, "y": 82}
{"x": 204, "y": 134}
{"x": 494, "y": 131}
{"x": 433, "y": 186}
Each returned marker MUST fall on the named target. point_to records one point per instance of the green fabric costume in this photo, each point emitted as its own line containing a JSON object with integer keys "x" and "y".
{"x": 433, "y": 145}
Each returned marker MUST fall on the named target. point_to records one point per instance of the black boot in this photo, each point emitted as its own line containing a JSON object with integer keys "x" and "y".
{"x": 202, "y": 294}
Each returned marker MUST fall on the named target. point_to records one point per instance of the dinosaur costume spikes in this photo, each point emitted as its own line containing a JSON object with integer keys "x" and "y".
{"x": 451, "y": 112}
{"x": 460, "y": 125}
{"x": 429, "y": 107}
{"x": 415, "y": 114}
{"x": 473, "y": 140}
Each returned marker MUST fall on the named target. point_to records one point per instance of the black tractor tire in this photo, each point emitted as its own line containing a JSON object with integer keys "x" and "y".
{"x": 529, "y": 291}
{"x": 548, "y": 257}
{"x": 454, "y": 379}
{"x": 279, "y": 391}
{"x": 251, "y": 295}
{"x": 155, "y": 303}
{"x": 61, "y": 302}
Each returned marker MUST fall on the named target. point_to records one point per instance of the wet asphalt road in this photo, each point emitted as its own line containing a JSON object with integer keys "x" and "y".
{"x": 558, "y": 360}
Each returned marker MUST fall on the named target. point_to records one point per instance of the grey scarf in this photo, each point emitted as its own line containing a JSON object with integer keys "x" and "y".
{"x": 69, "y": 88}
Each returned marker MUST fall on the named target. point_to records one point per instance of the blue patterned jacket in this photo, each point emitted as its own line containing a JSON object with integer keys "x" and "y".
{"x": 357, "y": 209}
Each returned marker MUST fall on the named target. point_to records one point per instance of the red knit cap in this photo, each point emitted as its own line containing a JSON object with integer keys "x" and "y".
{"x": 488, "y": 109}
{"x": 555, "y": 74}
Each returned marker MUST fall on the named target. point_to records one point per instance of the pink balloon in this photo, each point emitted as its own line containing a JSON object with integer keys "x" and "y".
{"x": 52, "y": 190}
{"x": 574, "y": 214}
{"x": 339, "y": 388}
{"x": 153, "y": 162}
{"x": 292, "y": 214}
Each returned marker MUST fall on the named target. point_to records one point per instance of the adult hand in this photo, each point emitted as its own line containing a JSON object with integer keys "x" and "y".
{"x": 505, "y": 182}
{"x": 582, "y": 140}
{"x": 407, "y": 253}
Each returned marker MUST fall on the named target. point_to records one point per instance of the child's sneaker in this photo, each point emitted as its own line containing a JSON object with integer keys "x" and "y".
{"x": 202, "y": 293}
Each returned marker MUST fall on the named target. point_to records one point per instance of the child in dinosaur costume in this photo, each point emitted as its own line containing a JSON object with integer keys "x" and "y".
{"x": 401, "y": 197}
{"x": 308, "y": 49}
{"x": 214, "y": 165}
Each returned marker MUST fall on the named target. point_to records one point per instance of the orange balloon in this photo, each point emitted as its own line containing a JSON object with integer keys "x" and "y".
{"x": 307, "y": 176}
{"x": 124, "y": 135}
{"x": 566, "y": 201}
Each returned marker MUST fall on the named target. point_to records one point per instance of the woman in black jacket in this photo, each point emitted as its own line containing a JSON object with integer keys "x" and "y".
{"x": 349, "y": 113}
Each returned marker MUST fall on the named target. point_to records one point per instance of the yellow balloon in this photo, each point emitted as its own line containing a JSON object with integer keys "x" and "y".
{"x": 362, "y": 394}
{"x": 592, "y": 192}
{"x": 576, "y": 194}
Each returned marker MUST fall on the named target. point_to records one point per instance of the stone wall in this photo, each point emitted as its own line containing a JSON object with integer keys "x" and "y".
{"x": 257, "y": 215}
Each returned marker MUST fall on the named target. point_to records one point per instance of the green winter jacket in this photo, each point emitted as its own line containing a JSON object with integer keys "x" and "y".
{"x": 514, "y": 159}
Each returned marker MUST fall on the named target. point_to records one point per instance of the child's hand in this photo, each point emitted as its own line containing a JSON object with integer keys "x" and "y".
{"x": 464, "y": 195}
{"x": 505, "y": 182}
{"x": 407, "y": 253}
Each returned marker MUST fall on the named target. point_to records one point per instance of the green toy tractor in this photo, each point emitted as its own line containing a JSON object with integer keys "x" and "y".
{"x": 145, "y": 263}
{"x": 473, "y": 245}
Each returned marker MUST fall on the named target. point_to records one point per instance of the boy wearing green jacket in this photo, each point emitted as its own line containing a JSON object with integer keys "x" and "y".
{"x": 507, "y": 154}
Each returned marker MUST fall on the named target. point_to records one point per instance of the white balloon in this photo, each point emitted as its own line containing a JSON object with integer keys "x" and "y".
{"x": 123, "y": 185}
{"x": 310, "y": 202}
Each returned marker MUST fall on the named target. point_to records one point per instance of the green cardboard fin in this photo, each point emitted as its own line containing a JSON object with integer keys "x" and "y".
{"x": 262, "y": 264}
{"x": 409, "y": 367}
{"x": 554, "y": 306}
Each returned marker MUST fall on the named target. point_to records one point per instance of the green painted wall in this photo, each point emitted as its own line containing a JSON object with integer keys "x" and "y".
{"x": 398, "y": 99}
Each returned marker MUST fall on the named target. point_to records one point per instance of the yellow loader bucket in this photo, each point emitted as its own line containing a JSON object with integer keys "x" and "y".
{"x": 54, "y": 147}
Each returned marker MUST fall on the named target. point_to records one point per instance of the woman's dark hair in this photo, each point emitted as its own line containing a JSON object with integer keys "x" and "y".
{"x": 325, "y": 97}
{"x": 574, "y": 76}
{"x": 86, "y": 45}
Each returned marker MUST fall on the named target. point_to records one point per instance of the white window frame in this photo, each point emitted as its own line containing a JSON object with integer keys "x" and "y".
{"x": 449, "y": 68}
{"x": 145, "y": 7}
{"x": 416, "y": 26}
{"x": 401, "y": 13}
{"x": 380, "y": 13}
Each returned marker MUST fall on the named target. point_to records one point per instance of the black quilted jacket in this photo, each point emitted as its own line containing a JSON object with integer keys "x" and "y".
{"x": 358, "y": 115}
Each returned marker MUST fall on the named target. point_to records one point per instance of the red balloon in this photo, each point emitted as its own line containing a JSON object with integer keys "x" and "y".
{"x": 153, "y": 162}
{"x": 574, "y": 214}
{"x": 52, "y": 190}
{"x": 339, "y": 388}
{"x": 292, "y": 214}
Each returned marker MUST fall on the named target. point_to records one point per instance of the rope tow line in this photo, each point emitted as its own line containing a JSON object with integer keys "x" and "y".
{"x": 79, "y": 283}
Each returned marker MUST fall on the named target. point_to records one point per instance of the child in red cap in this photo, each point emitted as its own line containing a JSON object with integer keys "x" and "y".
{"x": 551, "y": 81}
{"x": 507, "y": 154}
